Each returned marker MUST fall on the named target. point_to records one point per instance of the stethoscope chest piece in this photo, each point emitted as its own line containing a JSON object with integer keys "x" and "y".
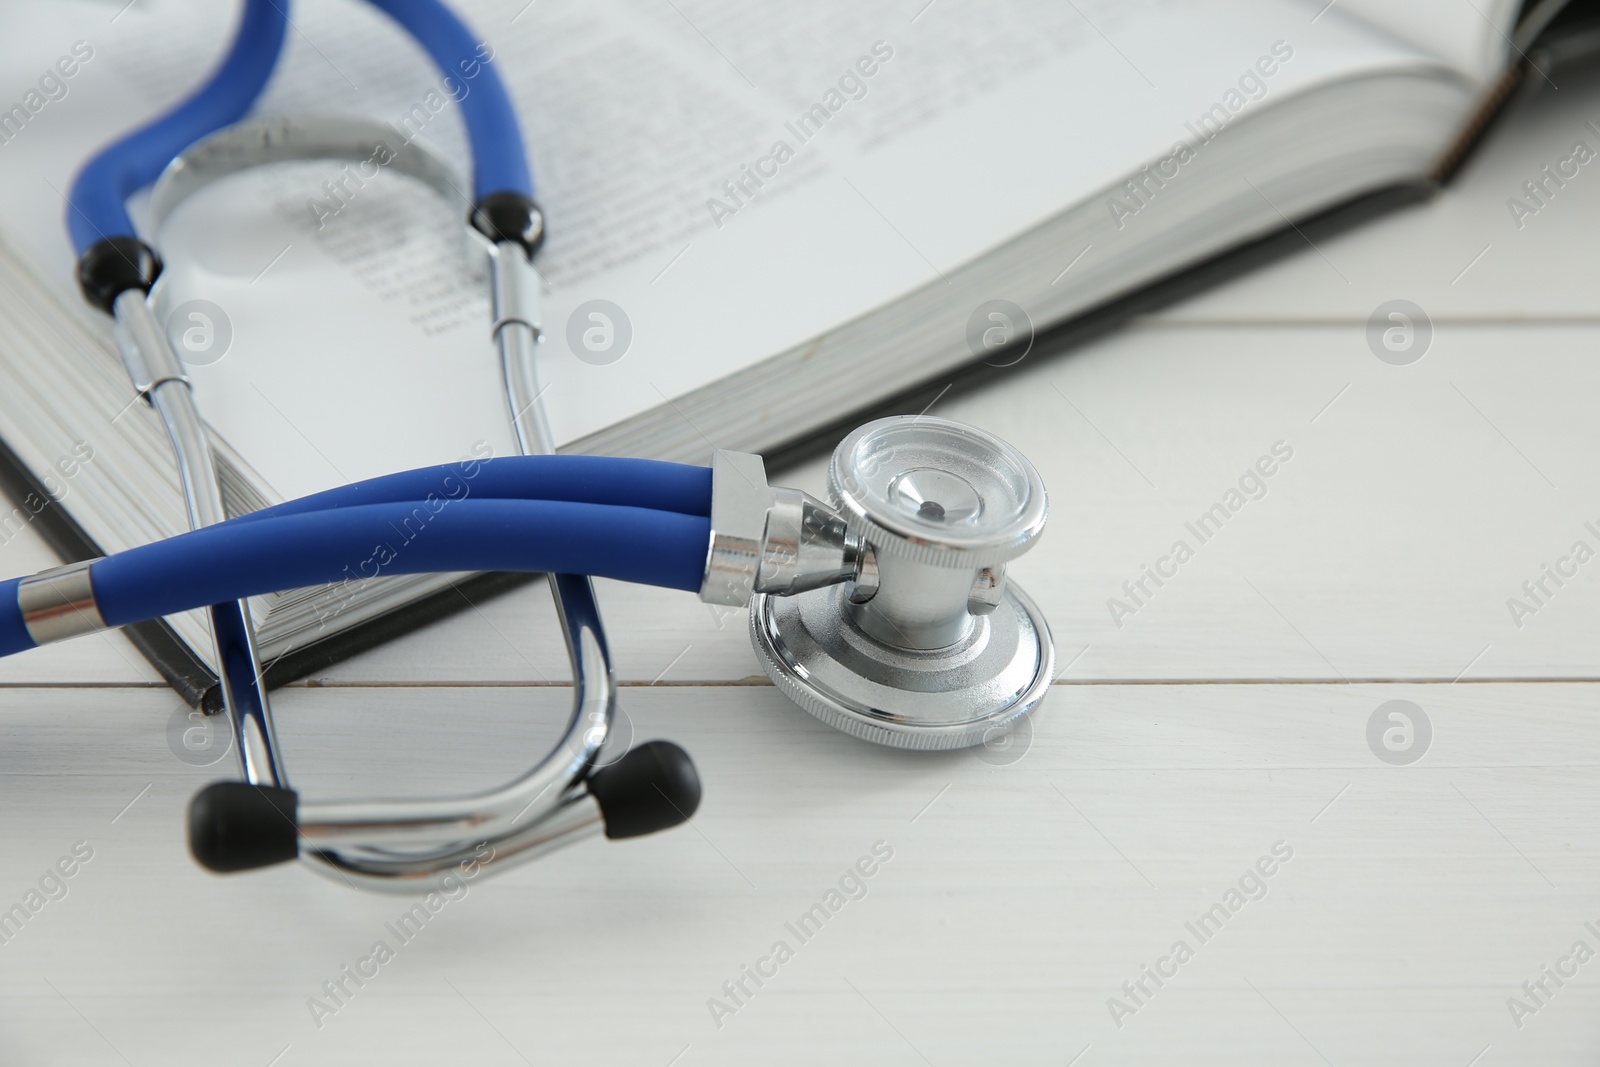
{"x": 929, "y": 647}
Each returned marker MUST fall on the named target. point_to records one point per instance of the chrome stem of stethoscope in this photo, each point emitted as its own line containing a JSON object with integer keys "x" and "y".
{"x": 157, "y": 375}
{"x": 523, "y": 801}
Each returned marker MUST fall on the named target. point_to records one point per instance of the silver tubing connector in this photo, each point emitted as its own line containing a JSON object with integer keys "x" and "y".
{"x": 59, "y": 603}
{"x": 770, "y": 540}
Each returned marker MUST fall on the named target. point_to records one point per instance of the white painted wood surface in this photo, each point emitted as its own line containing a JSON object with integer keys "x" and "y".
{"x": 1229, "y": 713}
{"x": 1019, "y": 898}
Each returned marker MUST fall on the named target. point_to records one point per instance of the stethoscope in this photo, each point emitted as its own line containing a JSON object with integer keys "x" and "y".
{"x": 886, "y": 614}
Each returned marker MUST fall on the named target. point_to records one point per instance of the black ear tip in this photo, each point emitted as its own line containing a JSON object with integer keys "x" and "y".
{"x": 653, "y": 787}
{"x": 235, "y": 826}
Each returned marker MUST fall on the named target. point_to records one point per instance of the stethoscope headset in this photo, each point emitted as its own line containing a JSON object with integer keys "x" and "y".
{"x": 886, "y": 614}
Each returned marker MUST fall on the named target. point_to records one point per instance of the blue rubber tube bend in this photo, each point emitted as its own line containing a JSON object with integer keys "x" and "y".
{"x": 499, "y": 162}
{"x": 97, "y": 202}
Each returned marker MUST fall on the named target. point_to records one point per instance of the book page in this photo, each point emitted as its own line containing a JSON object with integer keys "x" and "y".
{"x": 729, "y": 179}
{"x": 1473, "y": 36}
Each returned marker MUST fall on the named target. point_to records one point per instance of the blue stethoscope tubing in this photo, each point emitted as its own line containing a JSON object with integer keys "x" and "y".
{"x": 97, "y": 204}
{"x": 635, "y": 520}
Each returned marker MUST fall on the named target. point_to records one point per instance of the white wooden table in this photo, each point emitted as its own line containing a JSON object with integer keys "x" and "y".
{"x": 1227, "y": 717}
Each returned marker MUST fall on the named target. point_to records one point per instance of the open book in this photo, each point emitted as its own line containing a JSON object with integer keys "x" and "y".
{"x": 763, "y": 220}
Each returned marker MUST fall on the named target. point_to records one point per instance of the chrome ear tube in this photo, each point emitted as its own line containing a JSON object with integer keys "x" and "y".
{"x": 888, "y": 614}
{"x": 400, "y": 844}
